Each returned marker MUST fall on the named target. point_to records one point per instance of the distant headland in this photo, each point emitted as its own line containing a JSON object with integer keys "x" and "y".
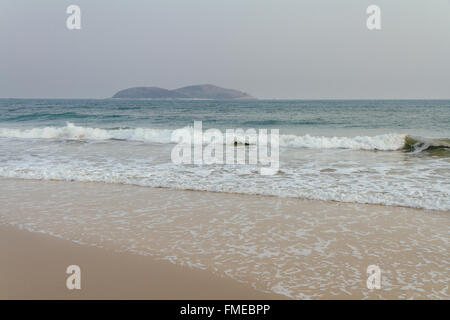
{"x": 195, "y": 92}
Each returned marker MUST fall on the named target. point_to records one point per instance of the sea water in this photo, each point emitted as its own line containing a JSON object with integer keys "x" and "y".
{"x": 390, "y": 152}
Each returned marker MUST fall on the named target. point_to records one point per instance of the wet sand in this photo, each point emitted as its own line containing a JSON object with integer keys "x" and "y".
{"x": 216, "y": 245}
{"x": 34, "y": 267}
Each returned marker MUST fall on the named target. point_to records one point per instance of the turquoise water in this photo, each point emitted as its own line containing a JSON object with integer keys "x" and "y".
{"x": 386, "y": 152}
{"x": 431, "y": 118}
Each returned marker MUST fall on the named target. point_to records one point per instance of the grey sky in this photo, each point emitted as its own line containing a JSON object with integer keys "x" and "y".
{"x": 271, "y": 49}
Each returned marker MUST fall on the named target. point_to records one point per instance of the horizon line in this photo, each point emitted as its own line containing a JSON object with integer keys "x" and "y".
{"x": 181, "y": 99}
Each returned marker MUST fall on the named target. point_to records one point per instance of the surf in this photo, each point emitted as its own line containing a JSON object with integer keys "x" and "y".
{"x": 419, "y": 144}
{"x": 382, "y": 142}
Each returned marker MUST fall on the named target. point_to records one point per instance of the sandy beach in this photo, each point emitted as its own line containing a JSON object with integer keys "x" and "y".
{"x": 138, "y": 242}
{"x": 232, "y": 150}
{"x": 34, "y": 264}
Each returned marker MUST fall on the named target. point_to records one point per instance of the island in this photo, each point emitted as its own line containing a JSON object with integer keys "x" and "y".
{"x": 195, "y": 92}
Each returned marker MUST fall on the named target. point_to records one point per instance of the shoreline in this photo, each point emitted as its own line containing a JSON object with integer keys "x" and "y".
{"x": 231, "y": 193}
{"x": 34, "y": 264}
{"x": 301, "y": 249}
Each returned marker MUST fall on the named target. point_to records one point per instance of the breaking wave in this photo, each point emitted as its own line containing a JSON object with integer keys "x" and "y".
{"x": 73, "y": 132}
{"x": 384, "y": 142}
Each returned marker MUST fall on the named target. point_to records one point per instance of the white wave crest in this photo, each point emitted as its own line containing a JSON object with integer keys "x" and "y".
{"x": 390, "y": 141}
{"x": 73, "y": 132}
{"x": 387, "y": 142}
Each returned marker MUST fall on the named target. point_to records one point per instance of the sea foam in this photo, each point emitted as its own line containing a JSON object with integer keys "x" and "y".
{"x": 386, "y": 142}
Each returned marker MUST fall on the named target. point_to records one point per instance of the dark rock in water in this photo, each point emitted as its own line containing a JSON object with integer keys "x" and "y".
{"x": 205, "y": 91}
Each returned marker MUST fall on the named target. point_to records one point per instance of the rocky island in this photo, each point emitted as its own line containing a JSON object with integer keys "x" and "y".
{"x": 200, "y": 92}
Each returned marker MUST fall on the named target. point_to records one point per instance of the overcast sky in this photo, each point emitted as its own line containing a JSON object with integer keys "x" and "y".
{"x": 269, "y": 48}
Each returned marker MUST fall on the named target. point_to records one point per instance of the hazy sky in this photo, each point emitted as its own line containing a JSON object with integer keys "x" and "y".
{"x": 271, "y": 49}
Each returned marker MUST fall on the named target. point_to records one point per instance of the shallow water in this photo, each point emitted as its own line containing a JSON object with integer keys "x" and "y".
{"x": 348, "y": 151}
{"x": 303, "y": 249}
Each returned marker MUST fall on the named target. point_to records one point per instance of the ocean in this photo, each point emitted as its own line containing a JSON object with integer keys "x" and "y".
{"x": 388, "y": 152}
